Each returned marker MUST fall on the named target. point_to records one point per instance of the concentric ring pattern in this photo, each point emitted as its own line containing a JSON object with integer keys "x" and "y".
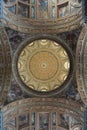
{"x": 43, "y": 65}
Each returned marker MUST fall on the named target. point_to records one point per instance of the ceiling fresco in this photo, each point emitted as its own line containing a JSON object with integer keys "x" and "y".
{"x": 16, "y": 92}
{"x": 43, "y": 65}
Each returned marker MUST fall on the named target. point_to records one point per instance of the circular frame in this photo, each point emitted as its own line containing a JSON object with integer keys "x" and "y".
{"x": 15, "y": 66}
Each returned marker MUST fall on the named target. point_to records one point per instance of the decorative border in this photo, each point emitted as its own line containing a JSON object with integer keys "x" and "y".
{"x": 5, "y": 65}
{"x": 81, "y": 64}
{"x": 15, "y": 68}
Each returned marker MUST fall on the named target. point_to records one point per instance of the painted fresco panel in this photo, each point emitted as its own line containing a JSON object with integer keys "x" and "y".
{"x": 43, "y": 9}
{"x": 43, "y": 121}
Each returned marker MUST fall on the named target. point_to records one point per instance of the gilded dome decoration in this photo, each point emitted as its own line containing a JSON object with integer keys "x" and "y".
{"x": 43, "y": 65}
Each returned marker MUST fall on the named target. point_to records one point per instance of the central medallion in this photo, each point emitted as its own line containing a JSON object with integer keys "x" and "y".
{"x": 43, "y": 65}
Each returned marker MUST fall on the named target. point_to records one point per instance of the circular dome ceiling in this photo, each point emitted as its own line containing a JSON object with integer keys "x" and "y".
{"x": 43, "y": 65}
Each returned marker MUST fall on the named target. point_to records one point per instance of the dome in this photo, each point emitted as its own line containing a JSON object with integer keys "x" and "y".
{"x": 43, "y": 65}
{"x": 42, "y": 16}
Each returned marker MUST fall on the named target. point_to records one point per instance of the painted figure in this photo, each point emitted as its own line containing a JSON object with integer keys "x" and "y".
{"x": 43, "y": 9}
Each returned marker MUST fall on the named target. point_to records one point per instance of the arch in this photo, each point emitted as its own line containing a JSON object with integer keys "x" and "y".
{"x": 42, "y": 25}
{"x": 5, "y": 65}
{"x": 42, "y": 105}
{"x": 81, "y": 64}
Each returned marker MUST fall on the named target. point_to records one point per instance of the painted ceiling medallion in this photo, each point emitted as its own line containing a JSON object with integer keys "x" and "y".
{"x": 43, "y": 65}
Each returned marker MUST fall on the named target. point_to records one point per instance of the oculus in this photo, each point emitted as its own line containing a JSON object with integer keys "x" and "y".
{"x": 43, "y": 65}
